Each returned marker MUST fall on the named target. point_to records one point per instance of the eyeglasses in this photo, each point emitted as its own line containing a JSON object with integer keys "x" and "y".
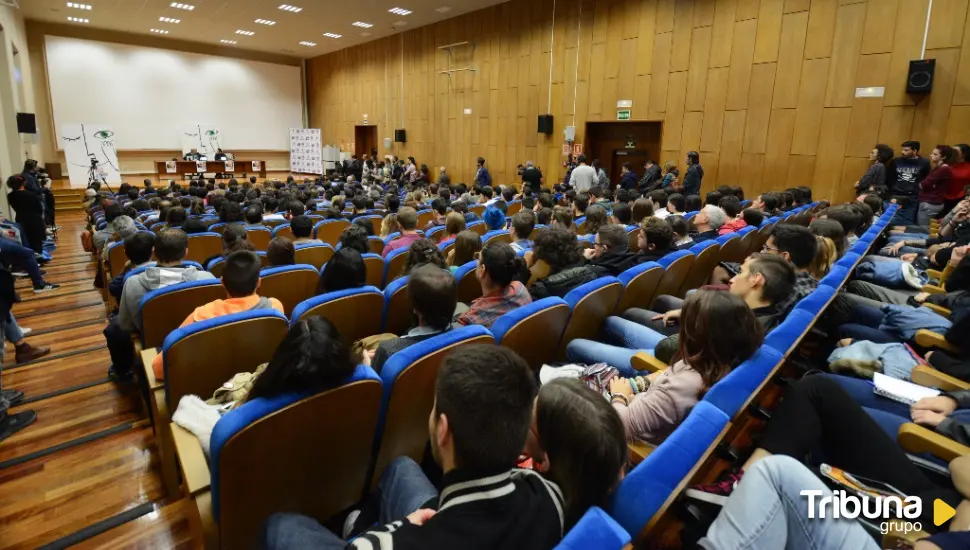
{"x": 597, "y": 245}
{"x": 768, "y": 248}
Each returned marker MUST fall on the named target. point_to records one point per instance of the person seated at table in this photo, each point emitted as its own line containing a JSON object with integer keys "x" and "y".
{"x": 241, "y": 280}
{"x": 193, "y": 154}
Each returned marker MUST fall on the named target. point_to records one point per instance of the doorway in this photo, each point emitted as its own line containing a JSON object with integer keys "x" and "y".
{"x": 365, "y": 140}
{"x": 615, "y": 143}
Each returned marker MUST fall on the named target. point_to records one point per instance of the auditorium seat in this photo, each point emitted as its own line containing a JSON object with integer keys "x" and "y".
{"x": 329, "y": 231}
{"x": 731, "y": 248}
{"x": 217, "y": 265}
{"x": 676, "y": 266}
{"x": 354, "y": 311}
{"x": 836, "y": 277}
{"x": 425, "y": 217}
{"x": 375, "y": 221}
{"x": 259, "y": 236}
{"x": 748, "y": 235}
{"x": 313, "y": 254}
{"x": 116, "y": 258}
{"x": 409, "y": 378}
{"x": 639, "y": 286}
{"x": 787, "y": 334}
{"x": 580, "y": 224}
{"x": 596, "y": 530}
{"x": 731, "y": 392}
{"x": 591, "y": 303}
{"x": 533, "y": 331}
{"x": 397, "y": 316}
{"x": 446, "y": 246}
{"x": 501, "y": 235}
{"x": 316, "y": 472}
{"x": 513, "y": 208}
{"x": 163, "y": 310}
{"x": 394, "y": 264}
{"x": 478, "y": 209}
{"x": 290, "y": 284}
{"x": 706, "y": 257}
{"x": 375, "y": 244}
{"x": 633, "y": 238}
{"x": 436, "y": 233}
{"x": 284, "y": 231}
{"x": 469, "y": 288}
{"x": 478, "y": 227}
{"x": 203, "y": 246}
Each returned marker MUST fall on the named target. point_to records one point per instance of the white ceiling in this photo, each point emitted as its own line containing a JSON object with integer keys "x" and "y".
{"x": 215, "y": 20}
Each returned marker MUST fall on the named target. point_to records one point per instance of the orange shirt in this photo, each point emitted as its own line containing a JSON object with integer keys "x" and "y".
{"x": 212, "y": 310}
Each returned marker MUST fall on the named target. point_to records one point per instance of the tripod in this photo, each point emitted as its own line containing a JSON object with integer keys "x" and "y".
{"x": 95, "y": 176}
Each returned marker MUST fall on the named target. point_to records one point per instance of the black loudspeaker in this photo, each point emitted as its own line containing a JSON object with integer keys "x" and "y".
{"x": 545, "y": 124}
{"x": 401, "y": 136}
{"x": 26, "y": 123}
{"x": 920, "y": 77}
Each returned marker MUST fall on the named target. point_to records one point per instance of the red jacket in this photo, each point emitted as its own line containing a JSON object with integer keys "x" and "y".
{"x": 933, "y": 186}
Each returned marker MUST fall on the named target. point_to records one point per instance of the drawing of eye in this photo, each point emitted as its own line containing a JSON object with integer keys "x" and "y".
{"x": 103, "y": 134}
{"x": 212, "y": 133}
{"x": 191, "y": 134}
{"x": 65, "y": 138}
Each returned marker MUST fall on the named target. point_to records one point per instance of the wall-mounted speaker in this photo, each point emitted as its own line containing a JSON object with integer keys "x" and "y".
{"x": 401, "y": 135}
{"x": 26, "y": 123}
{"x": 920, "y": 77}
{"x": 545, "y": 124}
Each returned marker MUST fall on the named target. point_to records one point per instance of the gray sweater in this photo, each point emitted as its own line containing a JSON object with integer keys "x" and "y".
{"x": 151, "y": 279}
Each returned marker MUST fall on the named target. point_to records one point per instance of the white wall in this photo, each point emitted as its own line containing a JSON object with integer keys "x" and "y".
{"x": 147, "y": 94}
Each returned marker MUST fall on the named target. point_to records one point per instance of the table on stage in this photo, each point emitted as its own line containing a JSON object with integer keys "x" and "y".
{"x": 183, "y": 167}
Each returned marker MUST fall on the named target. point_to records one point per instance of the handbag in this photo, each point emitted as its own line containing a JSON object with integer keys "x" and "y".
{"x": 237, "y": 388}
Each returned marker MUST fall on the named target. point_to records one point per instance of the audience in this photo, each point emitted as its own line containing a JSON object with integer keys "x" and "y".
{"x": 499, "y": 272}
{"x": 302, "y": 228}
{"x": 707, "y": 223}
{"x": 559, "y": 250}
{"x": 407, "y": 219}
{"x": 280, "y": 252}
{"x": 522, "y": 225}
{"x": 467, "y": 245}
{"x": 344, "y": 270}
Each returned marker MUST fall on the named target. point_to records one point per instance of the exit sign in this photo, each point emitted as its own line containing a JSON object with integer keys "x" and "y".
{"x": 623, "y": 114}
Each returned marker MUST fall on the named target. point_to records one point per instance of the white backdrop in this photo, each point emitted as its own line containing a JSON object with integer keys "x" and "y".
{"x": 205, "y": 138}
{"x": 81, "y": 142}
{"x": 149, "y": 95}
{"x": 306, "y": 151}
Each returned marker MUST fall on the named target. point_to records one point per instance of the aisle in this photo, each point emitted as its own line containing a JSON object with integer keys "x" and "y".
{"x": 88, "y": 464}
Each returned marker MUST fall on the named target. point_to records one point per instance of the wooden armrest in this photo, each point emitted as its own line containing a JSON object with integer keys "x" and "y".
{"x": 938, "y": 309}
{"x": 934, "y": 274}
{"x": 195, "y": 469}
{"x": 147, "y": 357}
{"x": 917, "y": 439}
{"x": 638, "y": 450}
{"x": 933, "y": 289}
{"x": 930, "y": 339}
{"x": 928, "y": 376}
{"x": 644, "y": 361}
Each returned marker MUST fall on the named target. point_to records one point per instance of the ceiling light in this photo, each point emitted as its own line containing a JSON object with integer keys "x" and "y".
{"x": 364, "y": 34}
{"x": 400, "y": 11}
{"x": 79, "y": 6}
{"x": 159, "y": 31}
{"x": 443, "y": 9}
{"x": 287, "y": 7}
{"x": 310, "y": 44}
{"x": 228, "y": 41}
{"x": 362, "y": 25}
{"x": 399, "y": 23}
{"x": 169, "y": 20}
{"x": 265, "y": 22}
{"x": 77, "y": 20}
{"x": 331, "y": 35}
{"x": 247, "y": 33}
{"x": 186, "y": 7}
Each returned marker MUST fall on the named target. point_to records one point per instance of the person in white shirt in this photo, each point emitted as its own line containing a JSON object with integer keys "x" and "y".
{"x": 583, "y": 176}
{"x": 659, "y": 199}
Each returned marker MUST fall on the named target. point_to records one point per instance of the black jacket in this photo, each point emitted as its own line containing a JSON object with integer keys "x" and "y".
{"x": 628, "y": 180}
{"x": 952, "y": 428}
{"x": 614, "y": 261}
{"x": 559, "y": 284}
{"x": 651, "y": 180}
{"x": 704, "y": 236}
{"x": 26, "y": 205}
{"x": 692, "y": 179}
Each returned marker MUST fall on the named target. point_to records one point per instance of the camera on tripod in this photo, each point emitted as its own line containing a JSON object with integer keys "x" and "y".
{"x": 94, "y": 161}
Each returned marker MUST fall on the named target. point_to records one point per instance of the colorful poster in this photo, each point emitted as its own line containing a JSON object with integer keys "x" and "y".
{"x": 200, "y": 166}
{"x": 306, "y": 151}
{"x": 171, "y": 166}
{"x": 230, "y": 166}
{"x": 90, "y": 153}
{"x": 257, "y": 165}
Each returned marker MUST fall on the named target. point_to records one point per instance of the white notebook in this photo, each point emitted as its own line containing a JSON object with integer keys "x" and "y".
{"x": 900, "y": 390}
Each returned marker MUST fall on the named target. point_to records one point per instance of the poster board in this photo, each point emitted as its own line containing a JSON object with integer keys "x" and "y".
{"x": 306, "y": 151}
{"x": 205, "y": 138}
{"x": 83, "y": 142}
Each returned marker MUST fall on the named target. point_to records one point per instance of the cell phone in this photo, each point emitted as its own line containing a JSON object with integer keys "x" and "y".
{"x": 874, "y": 485}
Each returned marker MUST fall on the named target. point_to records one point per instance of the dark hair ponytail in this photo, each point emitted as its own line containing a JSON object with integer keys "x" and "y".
{"x": 502, "y": 264}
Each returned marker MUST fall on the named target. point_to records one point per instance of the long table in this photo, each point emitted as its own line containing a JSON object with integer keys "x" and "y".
{"x": 183, "y": 167}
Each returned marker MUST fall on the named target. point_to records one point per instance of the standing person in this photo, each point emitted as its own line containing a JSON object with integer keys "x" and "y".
{"x": 628, "y": 178}
{"x": 874, "y": 180}
{"x": 602, "y": 179}
{"x": 909, "y": 169}
{"x": 583, "y": 176}
{"x": 650, "y": 179}
{"x": 531, "y": 177}
{"x": 482, "y": 177}
{"x": 10, "y": 423}
{"x": 694, "y": 177}
{"x": 49, "y": 203}
{"x": 410, "y": 171}
{"x": 444, "y": 180}
{"x": 960, "y": 177}
{"x": 934, "y": 186}
{"x": 30, "y": 212}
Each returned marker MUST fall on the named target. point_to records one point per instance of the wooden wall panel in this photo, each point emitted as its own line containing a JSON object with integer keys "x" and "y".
{"x": 764, "y": 89}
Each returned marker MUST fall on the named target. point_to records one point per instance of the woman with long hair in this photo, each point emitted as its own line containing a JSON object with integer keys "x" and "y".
{"x": 344, "y": 270}
{"x": 467, "y": 245}
{"x": 960, "y": 179}
{"x": 874, "y": 180}
{"x": 670, "y": 173}
{"x": 934, "y": 186}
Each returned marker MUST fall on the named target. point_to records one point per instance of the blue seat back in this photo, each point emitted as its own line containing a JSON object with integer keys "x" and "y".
{"x": 397, "y": 316}
{"x": 817, "y": 300}
{"x": 738, "y": 386}
{"x": 784, "y": 336}
{"x": 596, "y": 530}
{"x": 522, "y": 328}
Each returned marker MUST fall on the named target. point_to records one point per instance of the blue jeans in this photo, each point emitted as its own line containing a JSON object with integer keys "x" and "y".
{"x": 625, "y": 338}
{"x": 21, "y": 257}
{"x": 11, "y": 331}
{"x": 866, "y": 326}
{"x": 906, "y": 215}
{"x": 767, "y": 511}
{"x": 403, "y": 489}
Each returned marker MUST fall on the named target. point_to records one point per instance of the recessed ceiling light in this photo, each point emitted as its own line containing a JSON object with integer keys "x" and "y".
{"x": 399, "y": 23}
{"x": 362, "y": 25}
{"x": 79, "y": 6}
{"x": 400, "y": 11}
{"x": 77, "y": 20}
{"x": 228, "y": 41}
{"x": 287, "y": 7}
{"x": 169, "y": 20}
{"x": 186, "y": 7}
{"x": 247, "y": 33}
{"x": 443, "y": 9}
{"x": 310, "y": 44}
{"x": 159, "y": 31}
{"x": 331, "y": 35}
{"x": 265, "y": 22}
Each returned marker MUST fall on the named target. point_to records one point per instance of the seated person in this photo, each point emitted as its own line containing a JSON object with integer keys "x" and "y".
{"x": 355, "y": 237}
{"x": 622, "y": 213}
{"x": 439, "y": 210}
{"x": 610, "y": 253}
{"x": 494, "y": 219}
{"x": 752, "y": 217}
{"x": 707, "y": 222}
{"x": 654, "y": 240}
{"x": 433, "y": 293}
{"x": 732, "y": 213}
{"x": 706, "y": 354}
{"x": 344, "y": 270}
{"x": 175, "y": 218}
{"x": 280, "y": 252}
{"x": 659, "y": 199}
{"x": 170, "y": 249}
{"x": 241, "y": 281}
{"x": 522, "y": 225}
{"x": 407, "y": 220}
{"x": 559, "y": 249}
{"x": 596, "y": 217}
{"x": 302, "y": 228}
{"x": 138, "y": 249}
{"x": 454, "y": 224}
{"x": 467, "y": 246}
{"x": 421, "y": 252}
{"x": 678, "y": 224}
{"x": 483, "y": 405}
{"x": 562, "y": 218}
{"x": 253, "y": 215}
{"x": 360, "y": 207}
{"x": 499, "y": 272}
{"x": 676, "y": 204}
{"x": 462, "y": 208}
{"x": 233, "y": 238}
{"x": 767, "y": 203}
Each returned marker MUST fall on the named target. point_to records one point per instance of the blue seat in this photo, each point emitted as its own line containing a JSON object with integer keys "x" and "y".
{"x": 676, "y": 266}
{"x": 817, "y": 300}
{"x": 596, "y": 530}
{"x": 284, "y": 227}
{"x": 396, "y": 316}
{"x": 409, "y": 378}
{"x": 836, "y": 277}
{"x": 168, "y": 307}
{"x": 394, "y": 264}
{"x": 290, "y": 284}
{"x": 329, "y": 231}
{"x": 591, "y": 303}
{"x": 497, "y": 234}
{"x": 849, "y": 260}
{"x": 645, "y": 490}
{"x": 478, "y": 227}
{"x": 784, "y": 336}
{"x": 639, "y": 286}
{"x": 469, "y": 288}
{"x": 354, "y": 311}
{"x": 731, "y": 392}
{"x": 436, "y": 233}
{"x": 522, "y": 328}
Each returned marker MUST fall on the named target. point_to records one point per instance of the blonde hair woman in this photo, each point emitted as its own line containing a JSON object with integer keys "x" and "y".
{"x": 826, "y": 255}
{"x": 670, "y": 172}
{"x": 389, "y": 225}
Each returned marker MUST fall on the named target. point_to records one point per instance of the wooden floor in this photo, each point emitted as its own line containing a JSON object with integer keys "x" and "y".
{"x": 85, "y": 473}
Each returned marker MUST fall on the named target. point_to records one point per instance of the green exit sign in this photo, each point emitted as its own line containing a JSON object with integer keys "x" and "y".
{"x": 623, "y": 115}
